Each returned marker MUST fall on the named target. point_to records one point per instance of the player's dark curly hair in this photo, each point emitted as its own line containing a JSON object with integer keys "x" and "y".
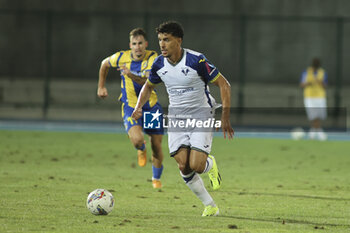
{"x": 138, "y": 32}
{"x": 171, "y": 27}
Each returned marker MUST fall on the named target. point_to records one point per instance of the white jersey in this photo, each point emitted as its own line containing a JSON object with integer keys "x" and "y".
{"x": 186, "y": 82}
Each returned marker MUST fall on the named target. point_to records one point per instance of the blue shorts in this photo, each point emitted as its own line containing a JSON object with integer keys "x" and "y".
{"x": 129, "y": 122}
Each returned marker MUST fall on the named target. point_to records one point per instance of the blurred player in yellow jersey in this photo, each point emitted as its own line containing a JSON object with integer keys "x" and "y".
{"x": 314, "y": 82}
{"x": 134, "y": 66}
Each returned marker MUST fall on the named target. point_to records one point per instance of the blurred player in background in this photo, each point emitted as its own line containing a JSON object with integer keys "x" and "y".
{"x": 186, "y": 74}
{"x": 314, "y": 82}
{"x": 135, "y": 65}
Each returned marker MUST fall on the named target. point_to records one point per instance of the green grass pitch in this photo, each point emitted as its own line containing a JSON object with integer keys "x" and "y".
{"x": 269, "y": 185}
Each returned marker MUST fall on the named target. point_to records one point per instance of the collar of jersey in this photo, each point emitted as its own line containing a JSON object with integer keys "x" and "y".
{"x": 183, "y": 54}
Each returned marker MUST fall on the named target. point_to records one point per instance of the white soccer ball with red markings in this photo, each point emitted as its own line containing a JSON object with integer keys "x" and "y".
{"x": 100, "y": 202}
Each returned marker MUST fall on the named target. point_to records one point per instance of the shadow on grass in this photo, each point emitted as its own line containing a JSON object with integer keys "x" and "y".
{"x": 295, "y": 195}
{"x": 286, "y": 221}
{"x": 290, "y": 221}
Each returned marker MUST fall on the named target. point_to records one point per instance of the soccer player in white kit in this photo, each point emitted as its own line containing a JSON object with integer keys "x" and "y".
{"x": 186, "y": 75}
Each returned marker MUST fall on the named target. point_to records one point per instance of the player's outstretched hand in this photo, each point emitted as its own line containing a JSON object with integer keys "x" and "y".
{"x": 137, "y": 113}
{"x": 227, "y": 129}
{"x": 102, "y": 92}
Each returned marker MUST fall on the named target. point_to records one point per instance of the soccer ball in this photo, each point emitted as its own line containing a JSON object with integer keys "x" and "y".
{"x": 297, "y": 133}
{"x": 100, "y": 202}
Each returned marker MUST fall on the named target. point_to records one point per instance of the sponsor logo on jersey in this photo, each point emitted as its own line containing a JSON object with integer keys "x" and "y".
{"x": 179, "y": 91}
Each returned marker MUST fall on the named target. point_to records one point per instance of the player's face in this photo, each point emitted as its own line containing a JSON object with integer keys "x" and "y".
{"x": 170, "y": 46}
{"x": 138, "y": 46}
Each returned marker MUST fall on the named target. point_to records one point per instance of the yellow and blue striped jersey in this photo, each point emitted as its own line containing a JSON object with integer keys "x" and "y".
{"x": 315, "y": 90}
{"x": 130, "y": 89}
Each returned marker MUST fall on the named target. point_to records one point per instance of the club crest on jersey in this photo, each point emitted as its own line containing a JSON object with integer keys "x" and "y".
{"x": 185, "y": 71}
{"x": 144, "y": 65}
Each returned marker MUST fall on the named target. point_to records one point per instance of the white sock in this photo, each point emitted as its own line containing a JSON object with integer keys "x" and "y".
{"x": 208, "y": 165}
{"x": 197, "y": 186}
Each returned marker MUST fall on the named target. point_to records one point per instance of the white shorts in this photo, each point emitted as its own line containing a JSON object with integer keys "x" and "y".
{"x": 200, "y": 141}
{"x": 316, "y": 108}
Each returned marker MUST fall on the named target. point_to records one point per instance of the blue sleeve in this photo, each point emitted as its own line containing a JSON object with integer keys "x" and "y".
{"x": 303, "y": 77}
{"x": 325, "y": 79}
{"x": 154, "y": 77}
{"x": 206, "y": 69}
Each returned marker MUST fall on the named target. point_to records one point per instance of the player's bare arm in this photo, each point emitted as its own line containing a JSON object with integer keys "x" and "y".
{"x": 225, "y": 92}
{"x": 142, "y": 99}
{"x": 139, "y": 79}
{"x": 101, "y": 89}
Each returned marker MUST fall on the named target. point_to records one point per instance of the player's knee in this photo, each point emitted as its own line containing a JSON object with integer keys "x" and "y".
{"x": 197, "y": 168}
{"x": 137, "y": 141}
{"x": 184, "y": 169}
{"x": 197, "y": 165}
{"x": 181, "y": 168}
